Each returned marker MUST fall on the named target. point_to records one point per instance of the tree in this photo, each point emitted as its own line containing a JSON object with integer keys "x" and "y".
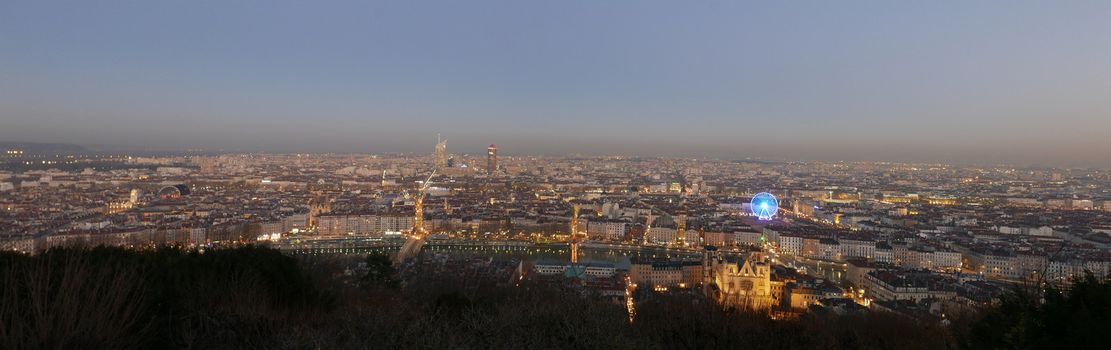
{"x": 1078, "y": 317}
{"x": 380, "y": 272}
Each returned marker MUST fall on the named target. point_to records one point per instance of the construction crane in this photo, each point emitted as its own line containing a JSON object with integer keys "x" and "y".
{"x": 417, "y": 235}
{"x": 418, "y": 208}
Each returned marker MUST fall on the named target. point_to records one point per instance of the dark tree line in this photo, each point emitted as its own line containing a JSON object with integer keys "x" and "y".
{"x": 116, "y": 298}
{"x": 258, "y": 298}
{"x": 1046, "y": 317}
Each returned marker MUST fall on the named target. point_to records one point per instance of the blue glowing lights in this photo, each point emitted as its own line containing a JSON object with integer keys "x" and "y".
{"x": 764, "y": 206}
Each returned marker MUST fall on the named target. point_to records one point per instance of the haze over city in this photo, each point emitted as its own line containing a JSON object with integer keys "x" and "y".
{"x": 1021, "y": 82}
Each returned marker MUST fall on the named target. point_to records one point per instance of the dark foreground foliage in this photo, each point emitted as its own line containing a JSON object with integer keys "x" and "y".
{"x": 119, "y": 299}
{"x": 257, "y": 298}
{"x": 1047, "y": 318}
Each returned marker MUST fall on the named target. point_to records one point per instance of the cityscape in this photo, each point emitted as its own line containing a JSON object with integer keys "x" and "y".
{"x": 283, "y": 193}
{"x": 779, "y": 238}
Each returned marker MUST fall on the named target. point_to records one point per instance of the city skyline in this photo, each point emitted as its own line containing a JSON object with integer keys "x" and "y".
{"x": 899, "y": 82}
{"x": 468, "y": 153}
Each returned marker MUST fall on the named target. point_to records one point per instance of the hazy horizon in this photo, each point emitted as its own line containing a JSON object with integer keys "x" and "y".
{"x": 913, "y": 82}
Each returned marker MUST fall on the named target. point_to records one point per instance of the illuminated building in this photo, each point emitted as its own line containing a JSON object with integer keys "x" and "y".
{"x": 367, "y": 224}
{"x": 595, "y": 270}
{"x": 663, "y": 274}
{"x": 491, "y": 159}
{"x": 118, "y": 207}
{"x": 942, "y": 200}
{"x": 606, "y": 230}
{"x": 318, "y": 205}
{"x": 136, "y": 195}
{"x": 661, "y": 235}
{"x": 886, "y": 285}
{"x": 744, "y": 284}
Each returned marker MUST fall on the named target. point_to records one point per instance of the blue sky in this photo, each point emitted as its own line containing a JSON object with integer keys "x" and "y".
{"x": 954, "y": 81}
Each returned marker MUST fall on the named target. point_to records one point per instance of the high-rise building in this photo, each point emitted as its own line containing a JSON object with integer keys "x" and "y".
{"x": 491, "y": 159}
{"x": 441, "y": 153}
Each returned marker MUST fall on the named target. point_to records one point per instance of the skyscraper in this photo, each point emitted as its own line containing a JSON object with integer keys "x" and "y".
{"x": 491, "y": 159}
{"x": 441, "y": 153}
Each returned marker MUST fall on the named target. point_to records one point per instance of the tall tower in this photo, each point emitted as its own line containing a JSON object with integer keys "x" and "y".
{"x": 441, "y": 153}
{"x": 491, "y": 159}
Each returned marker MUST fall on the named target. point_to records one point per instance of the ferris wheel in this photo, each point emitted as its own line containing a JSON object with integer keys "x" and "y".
{"x": 764, "y": 206}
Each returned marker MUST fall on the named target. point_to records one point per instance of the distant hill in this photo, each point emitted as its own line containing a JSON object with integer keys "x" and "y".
{"x": 43, "y": 148}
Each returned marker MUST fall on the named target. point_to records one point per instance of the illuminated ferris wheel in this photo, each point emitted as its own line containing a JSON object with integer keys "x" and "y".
{"x": 764, "y": 206}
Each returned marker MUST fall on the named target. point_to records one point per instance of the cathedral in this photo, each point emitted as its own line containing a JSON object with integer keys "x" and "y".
{"x": 741, "y": 283}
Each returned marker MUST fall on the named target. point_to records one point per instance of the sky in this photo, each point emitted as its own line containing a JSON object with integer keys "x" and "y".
{"x": 1020, "y": 82}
